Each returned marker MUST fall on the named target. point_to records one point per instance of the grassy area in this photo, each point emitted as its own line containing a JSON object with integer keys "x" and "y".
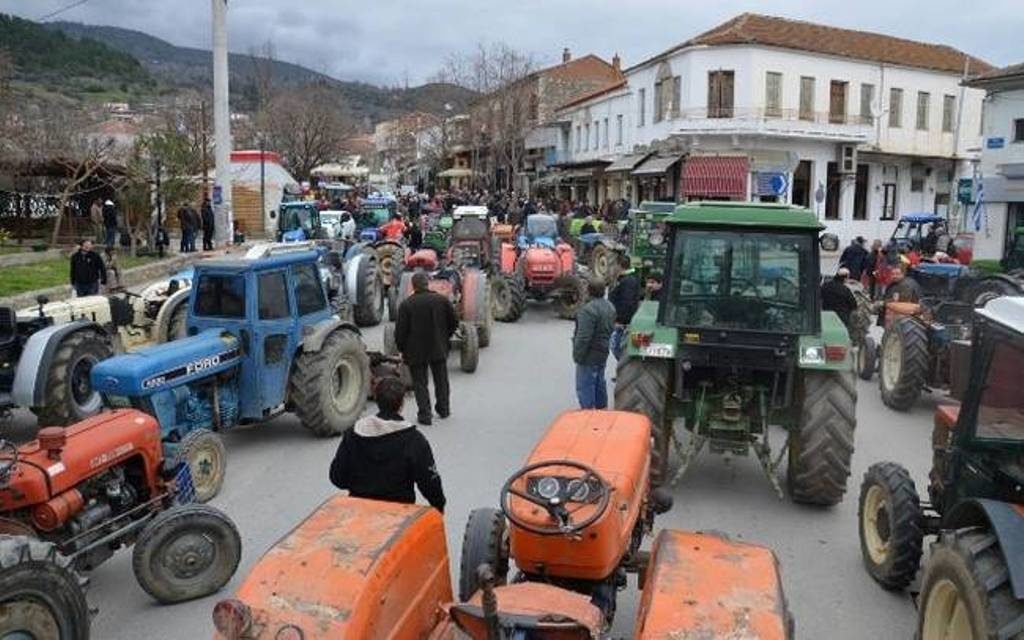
{"x": 49, "y": 273}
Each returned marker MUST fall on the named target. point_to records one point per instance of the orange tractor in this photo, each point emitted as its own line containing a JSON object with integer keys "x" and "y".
{"x": 545, "y": 265}
{"x": 572, "y": 520}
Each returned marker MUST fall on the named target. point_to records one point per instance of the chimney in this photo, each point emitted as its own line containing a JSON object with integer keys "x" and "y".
{"x": 566, "y": 56}
{"x": 617, "y": 62}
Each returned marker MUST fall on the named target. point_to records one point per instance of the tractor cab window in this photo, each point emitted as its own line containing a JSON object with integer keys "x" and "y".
{"x": 541, "y": 226}
{"x": 302, "y": 218}
{"x": 469, "y": 229}
{"x": 309, "y": 293}
{"x": 746, "y": 281}
{"x": 273, "y": 295}
{"x": 220, "y": 296}
{"x": 1001, "y": 410}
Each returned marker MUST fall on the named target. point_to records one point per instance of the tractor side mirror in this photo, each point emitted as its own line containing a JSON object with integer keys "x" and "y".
{"x": 829, "y": 242}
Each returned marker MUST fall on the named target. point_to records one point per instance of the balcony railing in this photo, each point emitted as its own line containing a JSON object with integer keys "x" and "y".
{"x": 769, "y": 114}
{"x": 774, "y": 122}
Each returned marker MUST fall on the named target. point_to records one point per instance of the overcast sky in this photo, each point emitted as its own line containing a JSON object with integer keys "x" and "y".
{"x": 391, "y": 41}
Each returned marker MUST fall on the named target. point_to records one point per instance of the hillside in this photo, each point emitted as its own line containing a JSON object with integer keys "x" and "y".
{"x": 193, "y": 68}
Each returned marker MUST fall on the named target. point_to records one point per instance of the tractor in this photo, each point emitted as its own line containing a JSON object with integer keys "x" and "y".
{"x": 468, "y": 290}
{"x": 1013, "y": 260}
{"x": 738, "y": 342}
{"x": 103, "y": 484}
{"x": 645, "y": 237}
{"x": 598, "y": 250}
{"x": 973, "y": 581}
{"x": 545, "y": 265}
{"x": 262, "y": 339}
{"x": 437, "y": 228}
{"x": 299, "y": 220}
{"x": 573, "y": 521}
{"x": 473, "y": 245}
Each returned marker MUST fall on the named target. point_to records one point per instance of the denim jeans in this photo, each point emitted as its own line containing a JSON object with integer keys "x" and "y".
{"x": 591, "y": 389}
{"x": 111, "y": 236}
{"x": 618, "y": 341}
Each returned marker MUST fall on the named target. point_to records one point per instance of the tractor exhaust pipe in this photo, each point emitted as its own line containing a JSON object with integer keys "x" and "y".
{"x": 485, "y": 576}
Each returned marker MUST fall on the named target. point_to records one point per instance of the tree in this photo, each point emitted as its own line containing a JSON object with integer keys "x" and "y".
{"x": 307, "y": 127}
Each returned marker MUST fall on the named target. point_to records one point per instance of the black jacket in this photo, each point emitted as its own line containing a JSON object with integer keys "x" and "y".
{"x": 625, "y": 297}
{"x": 109, "y": 216}
{"x": 854, "y": 258}
{"x": 87, "y": 268}
{"x": 426, "y": 321}
{"x": 207, "y": 216}
{"x": 595, "y": 322}
{"x": 836, "y": 296}
{"x": 384, "y": 458}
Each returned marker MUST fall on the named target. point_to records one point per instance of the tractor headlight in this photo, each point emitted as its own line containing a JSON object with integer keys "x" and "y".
{"x": 656, "y": 238}
{"x": 812, "y": 355}
{"x": 548, "y": 487}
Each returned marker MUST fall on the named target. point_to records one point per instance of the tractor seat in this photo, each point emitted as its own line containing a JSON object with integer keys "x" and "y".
{"x": 544, "y": 611}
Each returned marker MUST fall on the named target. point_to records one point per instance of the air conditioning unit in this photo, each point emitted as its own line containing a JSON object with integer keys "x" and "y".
{"x": 847, "y": 158}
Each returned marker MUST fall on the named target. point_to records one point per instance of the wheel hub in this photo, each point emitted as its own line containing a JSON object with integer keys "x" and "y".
{"x": 27, "y": 619}
{"x": 343, "y": 392}
{"x": 945, "y": 614}
{"x": 81, "y": 385}
{"x": 876, "y": 525}
{"x": 189, "y": 556}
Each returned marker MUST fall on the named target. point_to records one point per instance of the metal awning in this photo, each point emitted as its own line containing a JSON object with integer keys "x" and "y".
{"x": 716, "y": 176}
{"x": 626, "y": 163}
{"x": 455, "y": 172}
{"x": 656, "y": 165}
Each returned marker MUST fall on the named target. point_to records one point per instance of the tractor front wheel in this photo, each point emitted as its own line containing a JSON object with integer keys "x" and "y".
{"x": 642, "y": 386}
{"x": 508, "y": 298}
{"x": 821, "y": 444}
{"x": 329, "y": 387}
{"x": 572, "y": 294}
{"x": 368, "y": 301}
{"x": 891, "y": 523}
{"x": 469, "y": 352}
{"x": 207, "y": 459}
{"x": 966, "y": 592}
{"x": 186, "y": 552}
{"x": 602, "y": 261}
{"x": 40, "y": 594}
{"x": 867, "y": 358}
{"x": 903, "y": 365}
{"x": 69, "y": 393}
{"x": 485, "y": 542}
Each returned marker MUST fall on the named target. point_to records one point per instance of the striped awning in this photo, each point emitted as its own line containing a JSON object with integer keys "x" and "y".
{"x": 716, "y": 176}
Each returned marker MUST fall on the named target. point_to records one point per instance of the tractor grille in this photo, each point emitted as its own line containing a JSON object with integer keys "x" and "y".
{"x": 739, "y": 356}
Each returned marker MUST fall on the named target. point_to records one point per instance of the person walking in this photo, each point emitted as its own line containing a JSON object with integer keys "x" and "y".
{"x": 837, "y": 297}
{"x": 208, "y": 222}
{"x": 87, "y": 270}
{"x": 384, "y": 457}
{"x": 595, "y": 322}
{"x": 854, "y": 257}
{"x": 96, "y": 216}
{"x": 426, "y": 322}
{"x": 109, "y": 223}
{"x": 625, "y": 297}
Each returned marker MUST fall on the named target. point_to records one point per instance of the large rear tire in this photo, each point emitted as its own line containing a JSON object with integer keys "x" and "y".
{"x": 329, "y": 387}
{"x": 207, "y": 460}
{"x": 966, "y": 592}
{"x": 602, "y": 260}
{"x": 891, "y": 521}
{"x": 508, "y": 298}
{"x": 903, "y": 363}
{"x": 485, "y": 542}
{"x": 643, "y": 386}
{"x": 469, "y": 353}
{"x": 392, "y": 260}
{"x": 186, "y": 552}
{"x": 572, "y": 294}
{"x": 821, "y": 444}
{"x": 476, "y": 301}
{"x": 368, "y": 302}
{"x": 40, "y": 594}
{"x": 69, "y": 394}
{"x": 390, "y": 343}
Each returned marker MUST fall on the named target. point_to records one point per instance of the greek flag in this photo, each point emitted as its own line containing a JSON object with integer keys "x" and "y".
{"x": 976, "y": 214}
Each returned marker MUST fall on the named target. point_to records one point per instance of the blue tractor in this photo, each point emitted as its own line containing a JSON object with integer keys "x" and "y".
{"x": 299, "y": 220}
{"x": 262, "y": 339}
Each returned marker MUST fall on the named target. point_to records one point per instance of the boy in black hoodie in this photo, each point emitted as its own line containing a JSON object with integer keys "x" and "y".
{"x": 384, "y": 456}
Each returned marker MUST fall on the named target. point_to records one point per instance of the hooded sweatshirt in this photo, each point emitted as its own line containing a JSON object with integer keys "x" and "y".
{"x": 383, "y": 458}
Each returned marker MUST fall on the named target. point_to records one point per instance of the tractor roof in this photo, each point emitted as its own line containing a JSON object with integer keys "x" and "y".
{"x": 921, "y": 218}
{"x": 746, "y": 214}
{"x": 1007, "y": 311}
{"x": 265, "y": 256}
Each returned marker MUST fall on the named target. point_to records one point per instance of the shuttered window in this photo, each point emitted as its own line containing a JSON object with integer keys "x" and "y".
{"x": 896, "y": 108}
{"x": 806, "y": 98}
{"x": 720, "y": 94}
{"x": 923, "y": 100}
{"x": 773, "y": 94}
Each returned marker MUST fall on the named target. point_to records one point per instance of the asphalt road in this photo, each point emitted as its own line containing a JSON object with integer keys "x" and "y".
{"x": 277, "y": 474}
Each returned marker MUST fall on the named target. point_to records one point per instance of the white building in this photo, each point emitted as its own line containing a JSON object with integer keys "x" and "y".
{"x": 860, "y": 127}
{"x": 1001, "y": 169}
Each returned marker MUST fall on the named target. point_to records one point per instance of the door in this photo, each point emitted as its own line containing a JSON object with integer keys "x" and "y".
{"x": 273, "y": 340}
{"x": 832, "y": 182}
{"x": 860, "y": 194}
{"x": 802, "y": 184}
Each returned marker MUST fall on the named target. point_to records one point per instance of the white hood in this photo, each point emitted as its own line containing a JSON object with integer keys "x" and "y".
{"x": 374, "y": 426}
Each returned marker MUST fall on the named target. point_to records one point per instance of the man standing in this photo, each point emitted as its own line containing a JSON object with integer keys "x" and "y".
{"x": 207, "y": 215}
{"x": 426, "y": 322}
{"x": 625, "y": 297}
{"x": 590, "y": 343}
{"x": 87, "y": 270}
{"x": 185, "y": 224}
{"x": 902, "y": 288}
{"x": 854, "y": 257}
{"x": 837, "y": 297}
{"x": 110, "y": 222}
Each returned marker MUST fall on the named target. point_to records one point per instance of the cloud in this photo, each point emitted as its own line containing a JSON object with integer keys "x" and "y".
{"x": 391, "y": 41}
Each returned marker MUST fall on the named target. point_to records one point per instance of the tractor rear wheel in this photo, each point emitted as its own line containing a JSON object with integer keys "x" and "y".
{"x": 966, "y": 592}
{"x": 572, "y": 294}
{"x": 602, "y": 261}
{"x": 821, "y": 444}
{"x": 207, "y": 460}
{"x": 329, "y": 387}
{"x": 891, "y": 522}
{"x": 508, "y": 298}
{"x": 69, "y": 393}
{"x": 368, "y": 302}
{"x": 469, "y": 353}
{"x": 476, "y": 304}
{"x": 642, "y": 385}
{"x": 186, "y": 552}
{"x": 485, "y": 542}
{"x": 391, "y": 258}
{"x": 903, "y": 364}
{"x": 40, "y": 594}
{"x": 867, "y": 358}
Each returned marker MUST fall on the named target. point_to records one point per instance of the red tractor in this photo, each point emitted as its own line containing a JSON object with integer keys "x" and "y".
{"x": 102, "y": 484}
{"x": 545, "y": 265}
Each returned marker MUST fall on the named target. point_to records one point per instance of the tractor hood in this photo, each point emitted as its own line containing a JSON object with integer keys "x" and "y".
{"x": 93, "y": 308}
{"x": 171, "y": 364}
{"x": 541, "y": 260}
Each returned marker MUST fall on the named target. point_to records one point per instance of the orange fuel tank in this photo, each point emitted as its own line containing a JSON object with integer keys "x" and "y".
{"x": 616, "y": 444}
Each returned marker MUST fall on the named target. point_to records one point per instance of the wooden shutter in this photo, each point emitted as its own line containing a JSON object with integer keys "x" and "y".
{"x": 714, "y": 93}
{"x": 727, "y": 88}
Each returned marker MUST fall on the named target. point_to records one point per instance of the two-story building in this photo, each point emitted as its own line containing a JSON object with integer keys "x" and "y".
{"x": 860, "y": 127}
{"x": 1001, "y": 169}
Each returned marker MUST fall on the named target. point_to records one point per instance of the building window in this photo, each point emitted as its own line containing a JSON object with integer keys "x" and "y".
{"x": 948, "y": 105}
{"x": 606, "y": 133}
{"x": 896, "y": 108}
{"x": 642, "y": 98}
{"x": 677, "y": 95}
{"x": 579, "y": 139}
{"x": 807, "y": 98}
{"x": 1018, "y": 130}
{"x": 586, "y": 137}
{"x": 618, "y": 130}
{"x": 720, "y": 90}
{"x": 837, "y": 102}
{"x": 867, "y": 96}
{"x": 534, "y": 107}
{"x": 773, "y": 94}
{"x": 918, "y": 172}
{"x": 923, "y": 98}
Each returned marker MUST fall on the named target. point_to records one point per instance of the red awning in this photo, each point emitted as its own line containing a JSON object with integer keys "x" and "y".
{"x": 716, "y": 176}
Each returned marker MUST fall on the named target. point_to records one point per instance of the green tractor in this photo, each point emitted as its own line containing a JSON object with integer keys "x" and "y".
{"x": 972, "y": 587}
{"x": 646, "y": 239}
{"x": 738, "y": 342}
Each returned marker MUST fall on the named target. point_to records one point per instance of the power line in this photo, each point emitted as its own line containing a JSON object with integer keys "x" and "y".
{"x": 52, "y": 14}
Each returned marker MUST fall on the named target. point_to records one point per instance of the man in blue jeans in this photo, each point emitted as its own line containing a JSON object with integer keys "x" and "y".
{"x": 594, "y": 324}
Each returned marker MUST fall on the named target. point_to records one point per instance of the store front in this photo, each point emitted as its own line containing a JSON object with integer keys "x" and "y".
{"x": 715, "y": 178}
{"x": 656, "y": 178}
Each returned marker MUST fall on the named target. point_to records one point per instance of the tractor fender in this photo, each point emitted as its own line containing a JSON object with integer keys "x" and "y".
{"x": 1006, "y": 521}
{"x": 29, "y": 388}
{"x": 352, "y": 274}
{"x": 508, "y": 258}
{"x": 163, "y": 317}
{"x": 315, "y": 335}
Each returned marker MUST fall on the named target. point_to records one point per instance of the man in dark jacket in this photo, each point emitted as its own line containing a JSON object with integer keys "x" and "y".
{"x": 625, "y": 297}
{"x": 384, "y": 457}
{"x": 207, "y": 215}
{"x": 426, "y": 322}
{"x": 902, "y": 288}
{"x": 110, "y": 222}
{"x": 595, "y": 322}
{"x": 185, "y": 224}
{"x": 854, "y": 257}
{"x": 87, "y": 270}
{"x": 836, "y": 296}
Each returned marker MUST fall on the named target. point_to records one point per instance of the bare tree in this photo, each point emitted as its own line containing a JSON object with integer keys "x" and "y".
{"x": 308, "y": 127}
{"x": 263, "y": 59}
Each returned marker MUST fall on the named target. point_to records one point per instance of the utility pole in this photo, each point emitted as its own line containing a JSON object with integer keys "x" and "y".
{"x": 221, "y": 125}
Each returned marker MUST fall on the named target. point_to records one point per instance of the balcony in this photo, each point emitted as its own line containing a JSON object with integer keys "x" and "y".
{"x": 783, "y": 123}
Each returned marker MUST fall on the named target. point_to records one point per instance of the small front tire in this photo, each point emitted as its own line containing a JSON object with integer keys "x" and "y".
{"x": 469, "y": 353}
{"x": 891, "y": 522}
{"x": 207, "y": 458}
{"x": 484, "y": 542}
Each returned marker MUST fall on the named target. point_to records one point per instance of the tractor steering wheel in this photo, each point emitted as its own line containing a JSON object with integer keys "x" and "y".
{"x": 556, "y": 494}
{"x": 8, "y": 458}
